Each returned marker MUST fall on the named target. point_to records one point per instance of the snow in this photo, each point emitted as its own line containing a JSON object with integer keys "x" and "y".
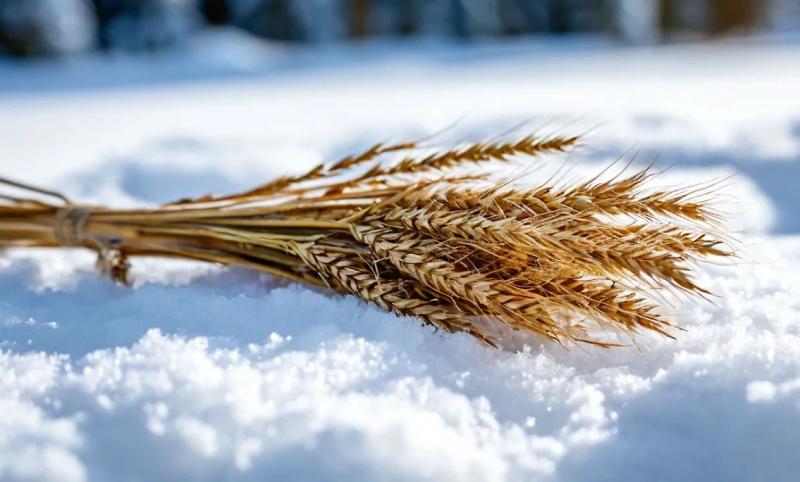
{"x": 206, "y": 373}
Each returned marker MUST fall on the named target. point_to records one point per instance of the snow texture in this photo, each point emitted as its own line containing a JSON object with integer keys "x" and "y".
{"x": 206, "y": 373}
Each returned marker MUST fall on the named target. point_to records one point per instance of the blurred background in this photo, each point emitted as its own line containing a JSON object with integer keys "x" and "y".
{"x": 35, "y": 28}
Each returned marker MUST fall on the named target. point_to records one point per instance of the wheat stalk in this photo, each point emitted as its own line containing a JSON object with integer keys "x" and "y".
{"x": 416, "y": 238}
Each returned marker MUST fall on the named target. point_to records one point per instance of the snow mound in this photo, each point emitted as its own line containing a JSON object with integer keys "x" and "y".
{"x": 221, "y": 379}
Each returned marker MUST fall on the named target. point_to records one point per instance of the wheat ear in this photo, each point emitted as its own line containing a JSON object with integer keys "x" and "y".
{"x": 431, "y": 237}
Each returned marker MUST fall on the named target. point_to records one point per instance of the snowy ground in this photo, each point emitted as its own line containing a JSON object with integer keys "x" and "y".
{"x": 217, "y": 374}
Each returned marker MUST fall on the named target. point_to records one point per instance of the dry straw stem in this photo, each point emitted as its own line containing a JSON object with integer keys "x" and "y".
{"x": 423, "y": 234}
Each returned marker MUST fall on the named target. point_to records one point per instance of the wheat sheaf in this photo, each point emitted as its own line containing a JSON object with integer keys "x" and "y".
{"x": 431, "y": 234}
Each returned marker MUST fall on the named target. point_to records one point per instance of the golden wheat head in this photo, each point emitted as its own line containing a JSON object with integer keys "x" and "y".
{"x": 419, "y": 237}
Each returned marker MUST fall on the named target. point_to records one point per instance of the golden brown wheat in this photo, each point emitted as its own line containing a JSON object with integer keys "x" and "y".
{"x": 414, "y": 237}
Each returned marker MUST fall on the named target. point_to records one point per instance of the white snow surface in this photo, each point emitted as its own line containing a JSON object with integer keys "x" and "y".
{"x": 207, "y": 373}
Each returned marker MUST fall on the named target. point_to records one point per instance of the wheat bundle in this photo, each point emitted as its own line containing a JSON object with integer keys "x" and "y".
{"x": 422, "y": 237}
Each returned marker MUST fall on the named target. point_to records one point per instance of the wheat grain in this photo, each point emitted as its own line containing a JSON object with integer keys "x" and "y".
{"x": 418, "y": 239}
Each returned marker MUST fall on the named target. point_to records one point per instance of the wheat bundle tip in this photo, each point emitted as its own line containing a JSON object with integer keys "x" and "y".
{"x": 422, "y": 234}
